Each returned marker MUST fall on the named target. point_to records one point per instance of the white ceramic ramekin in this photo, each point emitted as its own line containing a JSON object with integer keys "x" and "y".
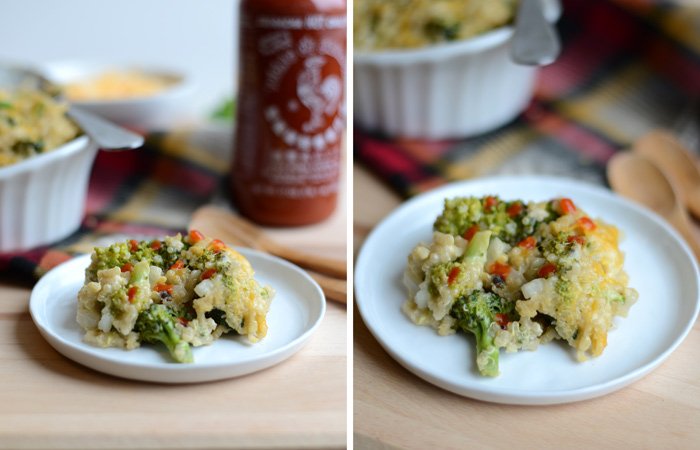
{"x": 160, "y": 110}
{"x": 451, "y": 90}
{"x": 42, "y": 199}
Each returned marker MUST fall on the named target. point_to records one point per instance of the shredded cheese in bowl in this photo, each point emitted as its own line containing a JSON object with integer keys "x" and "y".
{"x": 116, "y": 85}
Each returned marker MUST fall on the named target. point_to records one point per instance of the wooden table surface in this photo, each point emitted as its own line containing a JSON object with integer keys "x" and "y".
{"x": 392, "y": 408}
{"x": 49, "y": 401}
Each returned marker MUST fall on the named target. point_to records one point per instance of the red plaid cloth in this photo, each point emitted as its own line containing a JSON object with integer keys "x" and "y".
{"x": 626, "y": 67}
{"x": 141, "y": 193}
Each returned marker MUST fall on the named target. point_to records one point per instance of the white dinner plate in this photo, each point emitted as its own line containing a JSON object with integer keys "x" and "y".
{"x": 295, "y": 313}
{"x": 659, "y": 263}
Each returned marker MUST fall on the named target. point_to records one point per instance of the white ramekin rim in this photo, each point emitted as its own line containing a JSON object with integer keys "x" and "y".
{"x": 438, "y": 52}
{"x": 37, "y": 162}
{"x": 179, "y": 89}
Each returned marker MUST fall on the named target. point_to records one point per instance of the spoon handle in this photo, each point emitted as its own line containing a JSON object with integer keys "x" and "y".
{"x": 535, "y": 42}
{"x": 107, "y": 135}
{"x": 334, "y": 288}
{"x": 228, "y": 226}
{"x": 333, "y": 267}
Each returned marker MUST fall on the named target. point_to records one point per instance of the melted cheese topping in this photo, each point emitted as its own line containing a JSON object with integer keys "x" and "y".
{"x": 209, "y": 277}
{"x": 577, "y": 302}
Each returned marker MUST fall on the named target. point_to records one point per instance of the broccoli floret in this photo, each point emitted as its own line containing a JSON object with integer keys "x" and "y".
{"x": 506, "y": 220}
{"x": 162, "y": 257}
{"x": 157, "y": 324}
{"x": 219, "y": 260}
{"x": 475, "y": 313}
{"x": 564, "y": 288}
{"x": 458, "y": 215}
{"x": 131, "y": 293}
{"x": 455, "y": 272}
{"x": 27, "y": 148}
{"x": 116, "y": 255}
{"x": 117, "y": 301}
{"x": 558, "y": 245}
{"x": 439, "y": 30}
{"x": 614, "y": 296}
{"x": 562, "y": 247}
{"x": 107, "y": 257}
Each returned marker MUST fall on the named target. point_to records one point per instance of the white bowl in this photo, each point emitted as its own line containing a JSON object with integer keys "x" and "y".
{"x": 451, "y": 90}
{"x": 157, "y": 111}
{"x": 42, "y": 199}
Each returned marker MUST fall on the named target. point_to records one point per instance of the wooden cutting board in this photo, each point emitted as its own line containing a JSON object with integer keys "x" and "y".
{"x": 393, "y": 408}
{"x": 48, "y": 401}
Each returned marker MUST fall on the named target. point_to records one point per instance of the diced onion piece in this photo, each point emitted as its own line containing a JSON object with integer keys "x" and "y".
{"x": 533, "y": 287}
{"x": 204, "y": 287}
{"x": 154, "y": 274}
{"x": 105, "y": 323}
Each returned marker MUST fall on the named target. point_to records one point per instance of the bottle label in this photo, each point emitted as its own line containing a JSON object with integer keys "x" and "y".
{"x": 303, "y": 102}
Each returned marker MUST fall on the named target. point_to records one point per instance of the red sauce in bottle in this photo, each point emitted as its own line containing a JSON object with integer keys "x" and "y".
{"x": 291, "y": 110}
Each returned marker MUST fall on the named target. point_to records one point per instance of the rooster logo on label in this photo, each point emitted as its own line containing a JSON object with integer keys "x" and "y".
{"x": 308, "y": 92}
{"x": 319, "y": 95}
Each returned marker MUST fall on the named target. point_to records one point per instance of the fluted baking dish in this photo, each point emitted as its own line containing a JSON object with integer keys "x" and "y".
{"x": 449, "y": 90}
{"x": 42, "y": 199}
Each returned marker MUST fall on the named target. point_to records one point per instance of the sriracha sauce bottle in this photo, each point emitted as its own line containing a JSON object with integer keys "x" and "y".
{"x": 291, "y": 110}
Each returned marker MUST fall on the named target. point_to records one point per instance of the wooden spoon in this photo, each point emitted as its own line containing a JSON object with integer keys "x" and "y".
{"x": 225, "y": 223}
{"x": 667, "y": 152}
{"x": 636, "y": 177}
{"x": 334, "y": 288}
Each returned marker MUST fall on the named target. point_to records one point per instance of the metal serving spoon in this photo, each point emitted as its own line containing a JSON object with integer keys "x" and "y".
{"x": 535, "y": 41}
{"x": 107, "y": 135}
